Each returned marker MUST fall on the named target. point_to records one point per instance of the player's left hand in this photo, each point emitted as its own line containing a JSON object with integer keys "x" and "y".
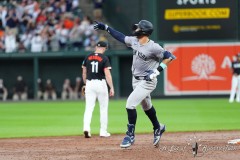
{"x": 100, "y": 25}
{"x": 152, "y": 74}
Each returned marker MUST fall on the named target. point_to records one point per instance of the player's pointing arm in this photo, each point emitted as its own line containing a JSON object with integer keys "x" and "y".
{"x": 114, "y": 33}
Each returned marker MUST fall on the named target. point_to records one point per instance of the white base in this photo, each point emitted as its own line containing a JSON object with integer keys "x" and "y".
{"x": 234, "y": 141}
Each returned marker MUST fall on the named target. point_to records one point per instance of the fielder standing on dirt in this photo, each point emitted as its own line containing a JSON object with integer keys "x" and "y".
{"x": 96, "y": 75}
{"x": 149, "y": 59}
{"x": 235, "y": 87}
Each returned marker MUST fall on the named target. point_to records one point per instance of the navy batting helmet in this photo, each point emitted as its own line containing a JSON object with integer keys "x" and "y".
{"x": 144, "y": 27}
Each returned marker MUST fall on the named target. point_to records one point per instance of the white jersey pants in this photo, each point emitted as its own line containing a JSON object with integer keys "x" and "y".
{"x": 96, "y": 89}
{"x": 235, "y": 89}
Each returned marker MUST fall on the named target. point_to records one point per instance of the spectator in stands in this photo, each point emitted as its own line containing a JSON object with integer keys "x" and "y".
{"x": 42, "y": 17}
{"x": 3, "y": 91}
{"x": 87, "y": 26}
{"x": 3, "y": 14}
{"x": 26, "y": 22}
{"x": 52, "y": 3}
{"x": 75, "y": 5}
{"x": 37, "y": 43}
{"x": 77, "y": 88}
{"x": 45, "y": 38}
{"x": 2, "y": 35}
{"x": 68, "y": 21}
{"x": 62, "y": 34}
{"x": 52, "y": 18}
{"x": 53, "y": 41}
{"x": 63, "y": 6}
{"x": 12, "y": 22}
{"x": 40, "y": 89}
{"x": 69, "y": 5}
{"x": 20, "y": 6}
{"x": 76, "y": 35}
{"x": 10, "y": 42}
{"x": 49, "y": 92}
{"x": 30, "y": 6}
{"x": 36, "y": 10}
{"x": 20, "y": 90}
{"x": 40, "y": 26}
{"x": 67, "y": 91}
{"x": 91, "y": 42}
{"x": 97, "y": 11}
{"x": 57, "y": 8}
{"x": 91, "y": 36}
{"x": 26, "y": 38}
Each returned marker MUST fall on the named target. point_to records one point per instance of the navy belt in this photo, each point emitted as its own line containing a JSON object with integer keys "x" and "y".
{"x": 140, "y": 77}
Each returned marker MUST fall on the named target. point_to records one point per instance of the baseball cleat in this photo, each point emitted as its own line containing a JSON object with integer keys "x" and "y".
{"x": 87, "y": 134}
{"x": 129, "y": 138}
{"x": 105, "y": 134}
{"x": 127, "y": 141}
{"x": 158, "y": 134}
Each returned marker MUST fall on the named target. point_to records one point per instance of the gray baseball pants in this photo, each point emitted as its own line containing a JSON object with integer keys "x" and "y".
{"x": 141, "y": 94}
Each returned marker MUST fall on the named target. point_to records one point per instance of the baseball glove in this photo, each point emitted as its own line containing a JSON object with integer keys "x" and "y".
{"x": 83, "y": 90}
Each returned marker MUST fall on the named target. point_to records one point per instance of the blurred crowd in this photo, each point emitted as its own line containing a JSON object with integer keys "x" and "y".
{"x": 46, "y": 91}
{"x": 45, "y": 25}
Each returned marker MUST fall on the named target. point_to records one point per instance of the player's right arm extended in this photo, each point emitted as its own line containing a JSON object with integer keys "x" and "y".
{"x": 114, "y": 33}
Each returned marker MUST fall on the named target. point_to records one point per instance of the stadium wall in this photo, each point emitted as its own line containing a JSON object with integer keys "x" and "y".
{"x": 212, "y": 77}
{"x": 62, "y": 65}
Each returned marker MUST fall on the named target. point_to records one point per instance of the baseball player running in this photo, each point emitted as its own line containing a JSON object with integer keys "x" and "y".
{"x": 149, "y": 59}
{"x": 235, "y": 80}
{"x": 95, "y": 72}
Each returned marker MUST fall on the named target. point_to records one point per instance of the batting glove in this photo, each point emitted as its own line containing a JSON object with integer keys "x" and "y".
{"x": 100, "y": 25}
{"x": 152, "y": 74}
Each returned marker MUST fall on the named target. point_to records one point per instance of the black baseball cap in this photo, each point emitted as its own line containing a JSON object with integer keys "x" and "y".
{"x": 102, "y": 44}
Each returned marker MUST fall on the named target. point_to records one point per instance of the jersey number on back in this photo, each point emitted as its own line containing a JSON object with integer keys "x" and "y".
{"x": 94, "y": 67}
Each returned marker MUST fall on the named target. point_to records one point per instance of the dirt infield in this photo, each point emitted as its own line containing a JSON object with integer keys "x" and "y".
{"x": 174, "y": 146}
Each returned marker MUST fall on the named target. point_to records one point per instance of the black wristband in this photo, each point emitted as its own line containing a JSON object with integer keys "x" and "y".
{"x": 160, "y": 69}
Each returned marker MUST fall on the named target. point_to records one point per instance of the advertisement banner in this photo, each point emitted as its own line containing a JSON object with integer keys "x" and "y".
{"x": 198, "y": 19}
{"x": 202, "y": 68}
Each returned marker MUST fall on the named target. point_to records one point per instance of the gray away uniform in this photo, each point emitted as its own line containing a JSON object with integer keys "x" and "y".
{"x": 145, "y": 57}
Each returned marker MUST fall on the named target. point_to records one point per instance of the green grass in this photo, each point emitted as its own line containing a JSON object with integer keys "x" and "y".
{"x": 33, "y": 119}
